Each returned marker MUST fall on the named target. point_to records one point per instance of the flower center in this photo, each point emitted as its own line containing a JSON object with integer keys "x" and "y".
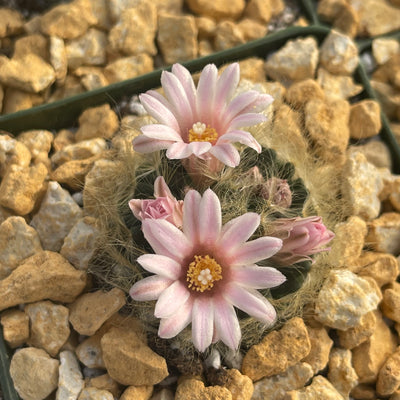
{"x": 202, "y": 273}
{"x": 202, "y": 133}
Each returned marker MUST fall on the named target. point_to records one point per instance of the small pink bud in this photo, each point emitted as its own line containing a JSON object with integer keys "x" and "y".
{"x": 277, "y": 191}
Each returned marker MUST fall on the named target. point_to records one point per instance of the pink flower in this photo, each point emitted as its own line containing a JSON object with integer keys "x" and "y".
{"x": 205, "y": 270}
{"x": 164, "y": 206}
{"x": 301, "y": 238}
{"x": 202, "y": 122}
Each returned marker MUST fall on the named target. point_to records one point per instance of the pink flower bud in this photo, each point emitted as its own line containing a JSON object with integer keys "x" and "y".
{"x": 277, "y": 191}
{"x": 301, "y": 238}
{"x": 164, "y": 206}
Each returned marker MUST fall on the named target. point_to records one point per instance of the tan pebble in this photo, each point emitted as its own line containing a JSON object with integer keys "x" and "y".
{"x": 91, "y": 393}
{"x": 89, "y": 352}
{"x": 341, "y": 372}
{"x": 384, "y": 233}
{"x": 339, "y": 54}
{"x": 137, "y": 393}
{"x": 91, "y": 310}
{"x": 105, "y": 382}
{"x": 252, "y": 30}
{"x": 45, "y": 275}
{"x": 345, "y": 298}
{"x": 258, "y": 10}
{"x": 365, "y": 119}
{"x": 34, "y": 43}
{"x": 205, "y": 27}
{"x": 17, "y": 242}
{"x": 362, "y": 183}
{"x": 91, "y": 77}
{"x": 353, "y": 337}
{"x": 347, "y": 21}
{"x": 79, "y": 151}
{"x": 38, "y": 77}
{"x": 217, "y": 9}
{"x": 72, "y": 173}
{"x": 11, "y": 22}
{"x": 376, "y": 152}
{"x": 295, "y": 61}
{"x": 377, "y": 18}
{"x": 135, "y": 31}
{"x": 71, "y": 87}
{"x": 328, "y": 10}
{"x": 63, "y": 138}
{"x": 363, "y": 392}
{"x": 57, "y": 214}
{"x": 369, "y": 356}
{"x": 277, "y": 351}
{"x": 67, "y": 21}
{"x": 252, "y": 69}
{"x": 337, "y": 86}
{"x": 21, "y": 187}
{"x": 128, "y": 67}
{"x": 239, "y": 385}
{"x": 70, "y": 382}
{"x": 299, "y": 93}
{"x": 13, "y": 152}
{"x": 81, "y": 243}
{"x": 88, "y": 49}
{"x": 15, "y": 327}
{"x": 327, "y": 125}
{"x": 175, "y": 46}
{"x": 321, "y": 345}
{"x": 389, "y": 375}
{"x": 320, "y": 388}
{"x": 384, "y": 48}
{"x": 390, "y": 305}
{"x": 193, "y": 389}
{"x": 349, "y": 242}
{"x": 97, "y": 122}
{"x": 58, "y": 58}
{"x": 49, "y": 326}
{"x": 129, "y": 361}
{"x": 38, "y": 142}
{"x": 34, "y": 373}
{"x": 276, "y": 386}
{"x": 388, "y": 97}
{"x": 163, "y": 394}
{"x": 382, "y": 267}
{"x": 227, "y": 35}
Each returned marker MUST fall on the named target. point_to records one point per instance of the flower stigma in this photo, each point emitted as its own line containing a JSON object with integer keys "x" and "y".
{"x": 202, "y": 133}
{"x": 202, "y": 273}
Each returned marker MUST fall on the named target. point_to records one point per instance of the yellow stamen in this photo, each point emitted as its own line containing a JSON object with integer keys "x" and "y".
{"x": 201, "y": 133}
{"x": 202, "y": 273}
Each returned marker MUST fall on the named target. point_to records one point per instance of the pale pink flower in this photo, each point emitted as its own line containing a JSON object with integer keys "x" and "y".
{"x": 205, "y": 270}
{"x": 301, "y": 238}
{"x": 164, "y": 206}
{"x": 203, "y": 121}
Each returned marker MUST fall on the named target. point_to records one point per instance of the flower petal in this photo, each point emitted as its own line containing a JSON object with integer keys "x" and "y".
{"x": 185, "y": 78}
{"x": 226, "y": 153}
{"x": 178, "y": 150}
{"x": 199, "y": 148}
{"x": 256, "y": 250}
{"x": 226, "y": 86}
{"x": 202, "y": 322}
{"x": 166, "y": 239}
{"x": 226, "y": 323}
{"x": 241, "y": 137}
{"x": 158, "y": 109}
{"x": 144, "y": 144}
{"x": 210, "y": 222}
{"x": 191, "y": 206}
{"x": 251, "y": 302}
{"x": 238, "y": 230}
{"x": 257, "y": 277}
{"x": 160, "y": 265}
{"x": 171, "y": 299}
{"x": 176, "y": 95}
{"x": 149, "y": 288}
{"x": 161, "y": 188}
{"x": 205, "y": 94}
{"x": 136, "y": 207}
{"x": 240, "y": 103}
{"x": 170, "y": 327}
{"x": 259, "y": 104}
{"x": 161, "y": 132}
{"x": 244, "y": 120}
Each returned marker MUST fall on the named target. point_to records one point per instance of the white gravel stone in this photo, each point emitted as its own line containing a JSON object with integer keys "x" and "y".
{"x": 70, "y": 381}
